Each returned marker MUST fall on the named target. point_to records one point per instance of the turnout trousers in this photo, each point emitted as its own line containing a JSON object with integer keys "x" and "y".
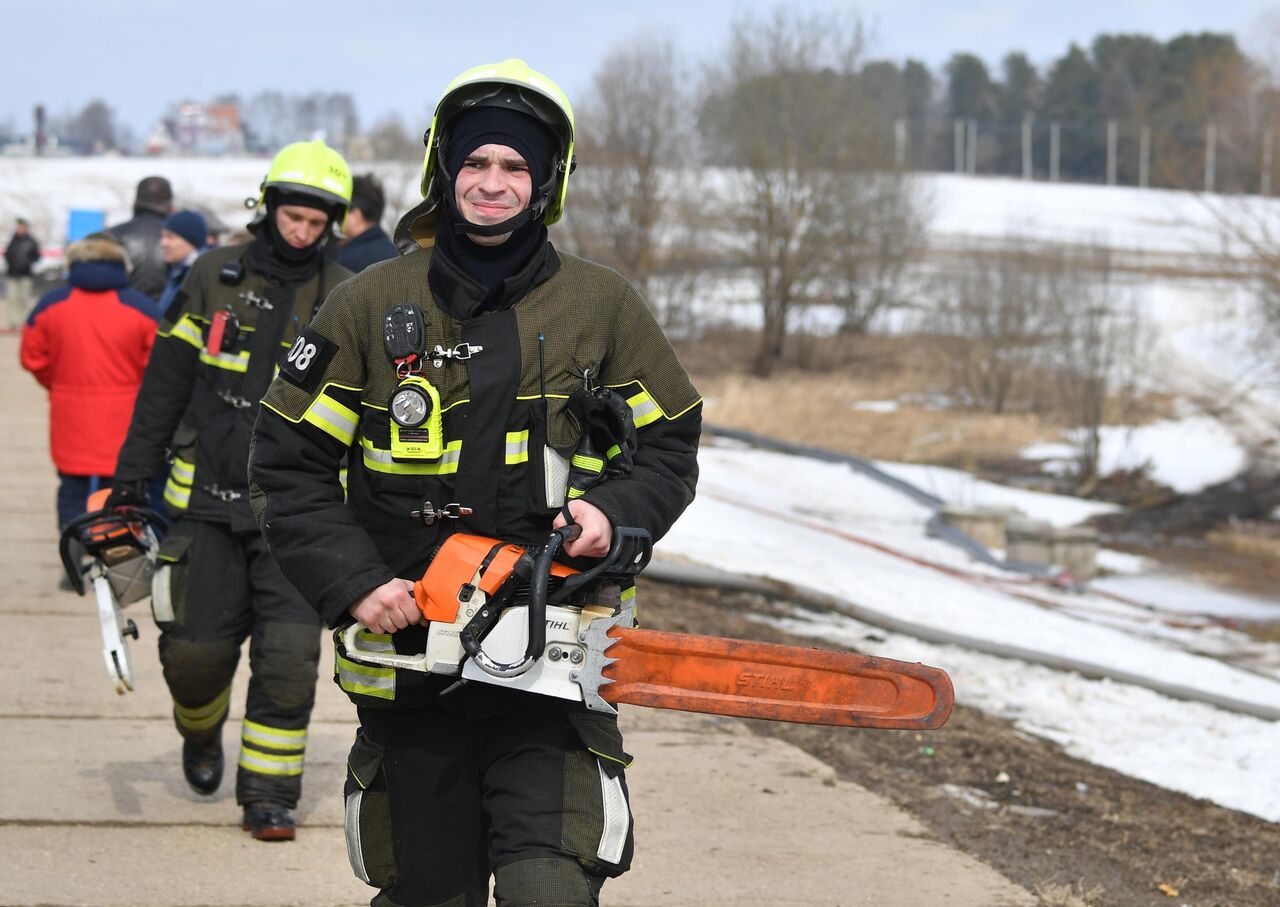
{"x": 223, "y": 588}
{"x": 438, "y": 800}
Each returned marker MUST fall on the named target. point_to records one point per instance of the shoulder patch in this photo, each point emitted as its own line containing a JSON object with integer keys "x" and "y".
{"x": 305, "y": 362}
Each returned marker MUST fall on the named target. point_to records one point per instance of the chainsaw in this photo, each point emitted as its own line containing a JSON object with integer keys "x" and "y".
{"x": 122, "y": 545}
{"x": 501, "y": 614}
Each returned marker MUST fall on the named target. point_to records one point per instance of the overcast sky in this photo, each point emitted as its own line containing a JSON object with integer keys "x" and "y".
{"x": 395, "y": 57}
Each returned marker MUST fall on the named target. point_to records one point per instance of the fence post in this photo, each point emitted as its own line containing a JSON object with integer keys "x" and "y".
{"x": 1026, "y": 147}
{"x": 1111, "y": 152}
{"x": 973, "y": 147}
{"x": 959, "y": 136}
{"x": 1210, "y": 153}
{"x": 1055, "y": 147}
{"x": 1266, "y": 163}
{"x": 1144, "y": 157}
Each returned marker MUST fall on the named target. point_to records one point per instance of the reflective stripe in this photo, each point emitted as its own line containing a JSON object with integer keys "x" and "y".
{"x": 182, "y": 471}
{"x": 375, "y": 642}
{"x": 614, "y": 451}
{"x": 365, "y": 679}
{"x": 232, "y": 362}
{"x": 187, "y": 330}
{"x": 381, "y": 461}
{"x": 273, "y": 737}
{"x": 590, "y": 464}
{"x": 331, "y": 417}
{"x": 617, "y": 818}
{"x": 351, "y": 823}
{"x": 270, "y": 763}
{"x": 203, "y": 717}
{"x": 177, "y": 496}
{"x": 627, "y": 594}
{"x": 517, "y": 447}
{"x": 575, "y": 493}
{"x": 643, "y": 409}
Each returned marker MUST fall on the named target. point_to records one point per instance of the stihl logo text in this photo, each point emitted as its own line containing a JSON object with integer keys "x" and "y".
{"x": 755, "y": 681}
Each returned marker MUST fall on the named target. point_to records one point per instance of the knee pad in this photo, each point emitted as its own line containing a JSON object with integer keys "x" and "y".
{"x": 196, "y": 670}
{"x": 285, "y": 658}
{"x": 544, "y": 880}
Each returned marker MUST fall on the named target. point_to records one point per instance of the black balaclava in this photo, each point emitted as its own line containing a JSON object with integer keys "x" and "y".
{"x": 489, "y": 266}
{"x": 272, "y": 254}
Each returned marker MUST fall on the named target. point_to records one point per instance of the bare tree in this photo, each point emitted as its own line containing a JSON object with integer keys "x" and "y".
{"x": 634, "y": 136}
{"x": 785, "y": 111}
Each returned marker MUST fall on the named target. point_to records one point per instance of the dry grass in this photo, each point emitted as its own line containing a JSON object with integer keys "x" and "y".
{"x": 1074, "y": 895}
{"x": 813, "y": 399}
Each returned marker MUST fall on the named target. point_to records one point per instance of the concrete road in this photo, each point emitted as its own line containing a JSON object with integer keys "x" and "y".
{"x": 94, "y": 811}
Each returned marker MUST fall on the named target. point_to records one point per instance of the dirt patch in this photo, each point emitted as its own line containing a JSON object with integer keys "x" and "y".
{"x": 1075, "y": 833}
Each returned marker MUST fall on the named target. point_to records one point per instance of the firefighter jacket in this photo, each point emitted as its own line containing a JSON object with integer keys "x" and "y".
{"x": 506, "y": 434}
{"x": 215, "y": 353}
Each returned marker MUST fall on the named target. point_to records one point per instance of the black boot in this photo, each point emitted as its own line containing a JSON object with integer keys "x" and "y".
{"x": 267, "y": 820}
{"x": 202, "y": 765}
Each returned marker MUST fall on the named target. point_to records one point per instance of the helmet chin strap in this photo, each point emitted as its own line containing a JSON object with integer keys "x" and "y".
{"x": 463, "y": 227}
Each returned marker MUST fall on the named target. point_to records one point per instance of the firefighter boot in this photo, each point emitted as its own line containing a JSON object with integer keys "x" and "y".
{"x": 267, "y": 820}
{"x": 202, "y": 765}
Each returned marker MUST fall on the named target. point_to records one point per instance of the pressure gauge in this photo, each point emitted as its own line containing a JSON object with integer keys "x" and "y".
{"x": 410, "y": 406}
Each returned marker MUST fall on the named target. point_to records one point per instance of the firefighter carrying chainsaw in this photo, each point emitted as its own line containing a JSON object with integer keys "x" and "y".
{"x": 239, "y": 310}
{"x": 457, "y": 377}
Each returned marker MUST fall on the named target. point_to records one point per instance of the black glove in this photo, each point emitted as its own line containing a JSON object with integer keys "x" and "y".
{"x": 127, "y": 494}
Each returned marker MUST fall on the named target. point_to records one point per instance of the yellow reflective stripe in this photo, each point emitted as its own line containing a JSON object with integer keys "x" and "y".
{"x": 331, "y": 417}
{"x": 614, "y": 451}
{"x": 232, "y": 362}
{"x": 187, "y": 330}
{"x": 628, "y": 593}
{"x": 365, "y": 679}
{"x": 270, "y": 763}
{"x": 590, "y": 464}
{"x": 276, "y": 738}
{"x": 643, "y": 409}
{"x": 575, "y": 493}
{"x": 380, "y": 460}
{"x": 177, "y": 496}
{"x": 203, "y": 717}
{"x": 342, "y": 478}
{"x": 375, "y": 642}
{"x": 517, "y": 447}
{"x": 182, "y": 472}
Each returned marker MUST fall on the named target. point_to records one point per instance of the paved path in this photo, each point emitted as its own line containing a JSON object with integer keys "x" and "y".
{"x": 94, "y": 811}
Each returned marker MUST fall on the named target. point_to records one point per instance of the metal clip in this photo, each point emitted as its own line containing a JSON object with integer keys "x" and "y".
{"x": 222, "y": 494}
{"x": 461, "y": 353}
{"x": 258, "y": 302}
{"x": 429, "y": 513}
{"x": 233, "y": 401}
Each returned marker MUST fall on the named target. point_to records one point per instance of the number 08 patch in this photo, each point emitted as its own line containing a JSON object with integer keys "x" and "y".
{"x": 307, "y": 358}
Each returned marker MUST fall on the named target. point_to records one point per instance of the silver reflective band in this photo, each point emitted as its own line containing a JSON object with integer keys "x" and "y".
{"x": 355, "y": 852}
{"x": 617, "y": 818}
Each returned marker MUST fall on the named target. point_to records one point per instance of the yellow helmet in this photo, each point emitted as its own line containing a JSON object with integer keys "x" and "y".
{"x": 310, "y": 168}
{"x": 511, "y": 84}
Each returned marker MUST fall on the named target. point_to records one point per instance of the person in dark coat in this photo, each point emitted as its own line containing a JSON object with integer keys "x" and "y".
{"x": 366, "y": 242}
{"x": 184, "y": 236}
{"x": 141, "y": 235}
{"x": 20, "y": 257}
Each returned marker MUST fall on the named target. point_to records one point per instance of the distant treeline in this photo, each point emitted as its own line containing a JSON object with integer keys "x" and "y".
{"x": 1186, "y": 113}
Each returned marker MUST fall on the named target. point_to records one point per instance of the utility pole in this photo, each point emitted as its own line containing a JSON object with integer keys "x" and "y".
{"x": 1055, "y": 148}
{"x": 1144, "y": 157}
{"x": 1026, "y": 147}
{"x": 1111, "y": 152}
{"x": 1210, "y": 155}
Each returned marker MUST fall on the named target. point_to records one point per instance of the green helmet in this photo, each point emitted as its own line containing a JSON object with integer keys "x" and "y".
{"x": 310, "y": 168}
{"x": 510, "y": 84}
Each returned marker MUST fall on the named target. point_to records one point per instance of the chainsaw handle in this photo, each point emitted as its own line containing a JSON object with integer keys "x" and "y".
{"x": 122, "y": 516}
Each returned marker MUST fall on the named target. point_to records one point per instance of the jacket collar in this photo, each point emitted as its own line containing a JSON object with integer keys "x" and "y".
{"x": 98, "y": 276}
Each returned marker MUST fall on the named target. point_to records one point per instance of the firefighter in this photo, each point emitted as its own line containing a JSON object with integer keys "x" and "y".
{"x": 447, "y": 376}
{"x": 239, "y": 310}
